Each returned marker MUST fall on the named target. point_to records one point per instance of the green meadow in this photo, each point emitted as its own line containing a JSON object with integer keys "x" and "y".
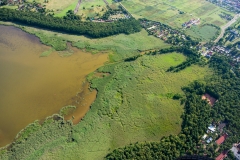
{"x": 204, "y": 33}
{"x": 134, "y": 104}
{"x": 122, "y": 46}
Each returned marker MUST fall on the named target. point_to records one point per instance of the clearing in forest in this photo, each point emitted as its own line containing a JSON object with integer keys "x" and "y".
{"x": 211, "y": 100}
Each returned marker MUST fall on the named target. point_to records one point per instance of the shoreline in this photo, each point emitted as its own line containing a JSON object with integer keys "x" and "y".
{"x": 85, "y": 89}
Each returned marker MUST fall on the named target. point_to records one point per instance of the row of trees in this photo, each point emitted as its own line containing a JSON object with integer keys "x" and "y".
{"x": 68, "y": 25}
{"x": 223, "y": 85}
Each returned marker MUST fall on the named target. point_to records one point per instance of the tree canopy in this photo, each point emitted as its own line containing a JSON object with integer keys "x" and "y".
{"x": 70, "y": 23}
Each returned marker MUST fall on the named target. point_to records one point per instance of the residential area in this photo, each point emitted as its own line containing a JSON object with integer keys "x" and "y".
{"x": 215, "y": 136}
{"x": 164, "y": 32}
{"x": 232, "y": 5}
{"x": 113, "y": 15}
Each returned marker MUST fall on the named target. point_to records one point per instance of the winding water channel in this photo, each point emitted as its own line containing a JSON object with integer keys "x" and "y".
{"x": 33, "y": 88}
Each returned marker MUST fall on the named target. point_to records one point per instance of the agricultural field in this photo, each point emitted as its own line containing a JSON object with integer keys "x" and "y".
{"x": 134, "y": 104}
{"x": 175, "y": 13}
{"x": 59, "y": 8}
{"x": 87, "y": 8}
{"x": 93, "y": 9}
{"x": 204, "y": 33}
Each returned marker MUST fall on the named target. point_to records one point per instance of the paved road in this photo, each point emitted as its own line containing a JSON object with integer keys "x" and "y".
{"x": 77, "y": 7}
{"x": 226, "y": 26}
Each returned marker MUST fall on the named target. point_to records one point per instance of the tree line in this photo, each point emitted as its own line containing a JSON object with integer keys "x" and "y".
{"x": 71, "y": 26}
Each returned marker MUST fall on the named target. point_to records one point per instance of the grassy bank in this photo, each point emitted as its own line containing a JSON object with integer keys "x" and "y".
{"x": 134, "y": 103}
{"x": 121, "y": 46}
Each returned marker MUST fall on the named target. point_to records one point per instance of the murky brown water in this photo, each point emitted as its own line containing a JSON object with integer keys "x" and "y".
{"x": 33, "y": 88}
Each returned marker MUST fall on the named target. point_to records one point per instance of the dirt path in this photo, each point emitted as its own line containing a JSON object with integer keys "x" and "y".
{"x": 226, "y": 26}
{"x": 77, "y": 6}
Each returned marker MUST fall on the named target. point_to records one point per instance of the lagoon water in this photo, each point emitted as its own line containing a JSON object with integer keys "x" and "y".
{"x": 34, "y": 87}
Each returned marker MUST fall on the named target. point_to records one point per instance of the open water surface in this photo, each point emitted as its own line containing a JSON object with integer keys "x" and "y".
{"x": 33, "y": 87}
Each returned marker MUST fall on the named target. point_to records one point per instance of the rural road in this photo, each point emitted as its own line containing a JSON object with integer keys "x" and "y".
{"x": 226, "y": 26}
{"x": 77, "y": 7}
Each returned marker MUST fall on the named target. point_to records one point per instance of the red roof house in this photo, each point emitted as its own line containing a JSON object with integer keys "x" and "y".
{"x": 209, "y": 98}
{"x": 222, "y": 156}
{"x": 221, "y": 139}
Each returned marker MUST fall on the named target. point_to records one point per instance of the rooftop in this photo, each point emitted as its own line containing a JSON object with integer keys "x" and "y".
{"x": 209, "y": 140}
{"x": 212, "y": 128}
{"x": 221, "y": 156}
{"x": 221, "y": 139}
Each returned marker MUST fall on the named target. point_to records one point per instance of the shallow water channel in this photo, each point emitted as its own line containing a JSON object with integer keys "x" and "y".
{"x": 34, "y": 87}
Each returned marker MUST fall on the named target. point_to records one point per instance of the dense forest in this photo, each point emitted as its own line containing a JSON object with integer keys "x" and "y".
{"x": 223, "y": 85}
{"x": 71, "y": 26}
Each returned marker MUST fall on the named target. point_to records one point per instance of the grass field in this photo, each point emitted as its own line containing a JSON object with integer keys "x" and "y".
{"x": 134, "y": 104}
{"x": 168, "y": 12}
{"x": 88, "y": 8}
{"x": 205, "y": 32}
{"x": 122, "y": 46}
